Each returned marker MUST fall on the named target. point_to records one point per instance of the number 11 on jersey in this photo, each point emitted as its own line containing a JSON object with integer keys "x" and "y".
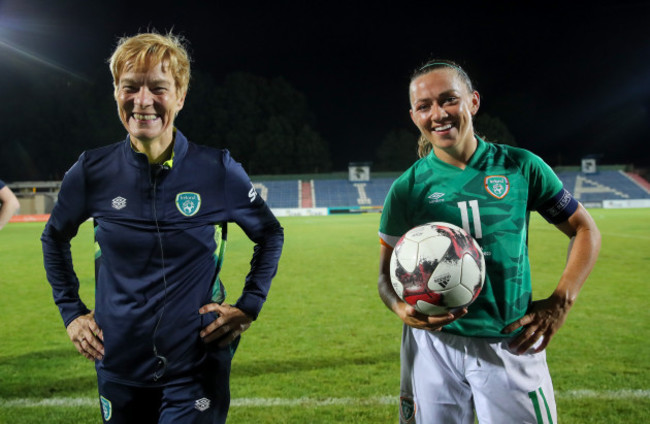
{"x": 476, "y": 218}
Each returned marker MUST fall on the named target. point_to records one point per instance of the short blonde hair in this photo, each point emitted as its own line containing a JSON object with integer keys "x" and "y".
{"x": 141, "y": 51}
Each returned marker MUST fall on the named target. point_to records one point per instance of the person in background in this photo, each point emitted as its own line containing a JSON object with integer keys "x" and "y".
{"x": 486, "y": 361}
{"x": 9, "y": 204}
{"x": 160, "y": 334}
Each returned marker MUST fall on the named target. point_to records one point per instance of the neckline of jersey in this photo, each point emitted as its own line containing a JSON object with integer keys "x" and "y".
{"x": 481, "y": 145}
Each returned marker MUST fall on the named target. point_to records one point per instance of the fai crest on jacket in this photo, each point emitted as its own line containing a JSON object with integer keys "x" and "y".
{"x": 497, "y": 185}
{"x": 107, "y": 408}
{"x": 188, "y": 203}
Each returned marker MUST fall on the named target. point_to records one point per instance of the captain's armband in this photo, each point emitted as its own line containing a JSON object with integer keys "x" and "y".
{"x": 559, "y": 208}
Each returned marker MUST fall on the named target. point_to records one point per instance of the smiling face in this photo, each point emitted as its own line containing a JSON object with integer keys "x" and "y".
{"x": 442, "y": 108}
{"x": 147, "y": 102}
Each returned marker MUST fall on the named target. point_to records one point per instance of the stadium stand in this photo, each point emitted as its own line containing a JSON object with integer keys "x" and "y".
{"x": 603, "y": 185}
{"x": 339, "y": 195}
{"x": 280, "y": 194}
{"x": 342, "y": 193}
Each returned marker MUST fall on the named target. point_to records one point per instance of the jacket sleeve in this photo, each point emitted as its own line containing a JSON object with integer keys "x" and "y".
{"x": 63, "y": 224}
{"x": 252, "y": 214}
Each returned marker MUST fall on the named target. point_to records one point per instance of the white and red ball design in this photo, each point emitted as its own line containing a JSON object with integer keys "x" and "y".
{"x": 437, "y": 267}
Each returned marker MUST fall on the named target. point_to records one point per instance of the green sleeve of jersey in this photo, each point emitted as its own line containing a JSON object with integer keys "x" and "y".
{"x": 394, "y": 218}
{"x": 542, "y": 181}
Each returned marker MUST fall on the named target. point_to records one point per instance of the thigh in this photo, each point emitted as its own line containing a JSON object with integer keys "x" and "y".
{"x": 432, "y": 384}
{"x": 509, "y": 387}
{"x": 122, "y": 404}
{"x": 205, "y": 398}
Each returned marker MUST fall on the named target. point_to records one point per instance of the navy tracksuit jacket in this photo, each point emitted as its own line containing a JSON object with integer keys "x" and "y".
{"x": 146, "y": 215}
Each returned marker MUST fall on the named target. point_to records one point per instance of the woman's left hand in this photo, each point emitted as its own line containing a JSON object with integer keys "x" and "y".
{"x": 229, "y": 325}
{"x": 542, "y": 321}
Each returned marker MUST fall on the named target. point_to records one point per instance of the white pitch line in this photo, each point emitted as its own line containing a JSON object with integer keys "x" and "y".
{"x": 605, "y": 394}
{"x": 626, "y": 235}
{"x": 47, "y": 402}
{"x": 312, "y": 402}
{"x": 66, "y": 402}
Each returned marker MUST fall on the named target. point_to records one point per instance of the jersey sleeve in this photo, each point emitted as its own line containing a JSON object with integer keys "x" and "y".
{"x": 248, "y": 210}
{"x": 63, "y": 224}
{"x": 543, "y": 183}
{"x": 394, "y": 220}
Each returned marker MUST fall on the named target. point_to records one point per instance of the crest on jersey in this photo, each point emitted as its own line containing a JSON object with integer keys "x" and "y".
{"x": 406, "y": 410}
{"x": 188, "y": 203}
{"x": 497, "y": 185}
{"x": 107, "y": 408}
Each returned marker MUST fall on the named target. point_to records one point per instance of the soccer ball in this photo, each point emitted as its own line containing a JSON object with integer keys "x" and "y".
{"x": 437, "y": 267}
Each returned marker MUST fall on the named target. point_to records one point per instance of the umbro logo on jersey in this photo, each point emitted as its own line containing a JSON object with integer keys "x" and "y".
{"x": 118, "y": 203}
{"x": 188, "y": 203}
{"x": 202, "y": 404}
{"x": 436, "y": 197}
{"x": 497, "y": 185}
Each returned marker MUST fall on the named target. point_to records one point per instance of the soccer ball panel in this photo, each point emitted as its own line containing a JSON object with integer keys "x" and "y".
{"x": 433, "y": 248}
{"x": 446, "y": 276}
{"x": 430, "y": 309}
{"x": 457, "y": 297}
{"x": 471, "y": 272}
{"x": 406, "y": 254}
{"x": 397, "y": 284}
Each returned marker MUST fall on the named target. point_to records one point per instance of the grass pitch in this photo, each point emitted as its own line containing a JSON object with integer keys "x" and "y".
{"x": 325, "y": 349}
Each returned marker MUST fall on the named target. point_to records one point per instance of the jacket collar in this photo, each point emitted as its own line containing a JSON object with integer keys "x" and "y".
{"x": 140, "y": 159}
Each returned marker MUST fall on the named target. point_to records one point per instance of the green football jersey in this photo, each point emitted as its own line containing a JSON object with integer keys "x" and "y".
{"x": 491, "y": 199}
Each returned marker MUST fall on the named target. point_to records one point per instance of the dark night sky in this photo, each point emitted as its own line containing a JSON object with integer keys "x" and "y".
{"x": 566, "y": 80}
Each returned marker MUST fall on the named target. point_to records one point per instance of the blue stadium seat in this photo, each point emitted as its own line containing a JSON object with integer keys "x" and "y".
{"x": 603, "y": 185}
{"x": 279, "y": 194}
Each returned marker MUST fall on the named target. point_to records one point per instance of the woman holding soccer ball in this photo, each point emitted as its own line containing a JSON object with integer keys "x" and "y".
{"x": 487, "y": 359}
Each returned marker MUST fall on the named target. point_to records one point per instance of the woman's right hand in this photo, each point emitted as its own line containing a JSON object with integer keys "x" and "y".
{"x": 406, "y": 312}
{"x": 415, "y": 319}
{"x": 87, "y": 336}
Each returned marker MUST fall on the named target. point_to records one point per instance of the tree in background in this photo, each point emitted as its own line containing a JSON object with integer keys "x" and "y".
{"x": 52, "y": 118}
{"x": 493, "y": 129}
{"x": 50, "y": 121}
{"x": 397, "y": 151}
{"x": 266, "y": 124}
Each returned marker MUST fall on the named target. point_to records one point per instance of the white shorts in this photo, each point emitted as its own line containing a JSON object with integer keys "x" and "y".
{"x": 447, "y": 378}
